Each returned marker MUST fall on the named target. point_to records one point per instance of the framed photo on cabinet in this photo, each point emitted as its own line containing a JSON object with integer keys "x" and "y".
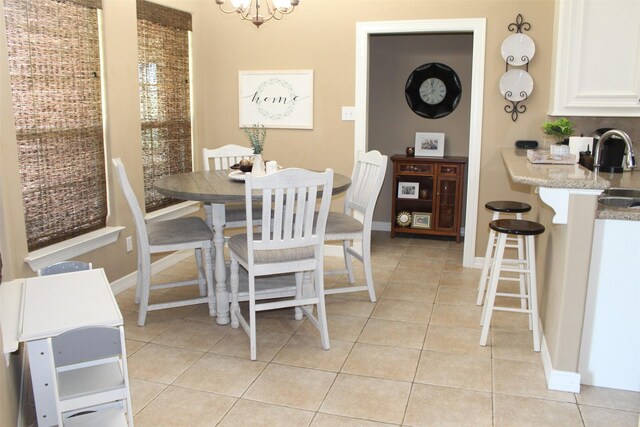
{"x": 429, "y": 144}
{"x": 420, "y": 220}
{"x": 408, "y": 190}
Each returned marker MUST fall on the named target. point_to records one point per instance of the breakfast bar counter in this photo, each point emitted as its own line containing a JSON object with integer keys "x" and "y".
{"x": 563, "y": 253}
{"x": 550, "y": 175}
{"x": 569, "y": 209}
{"x": 571, "y": 177}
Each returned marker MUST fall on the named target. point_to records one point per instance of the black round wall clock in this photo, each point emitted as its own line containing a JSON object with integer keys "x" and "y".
{"x": 433, "y": 90}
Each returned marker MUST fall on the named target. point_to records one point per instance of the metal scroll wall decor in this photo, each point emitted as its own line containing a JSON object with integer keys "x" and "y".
{"x": 516, "y": 83}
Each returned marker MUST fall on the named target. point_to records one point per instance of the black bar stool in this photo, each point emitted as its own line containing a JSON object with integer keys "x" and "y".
{"x": 501, "y": 207}
{"x": 527, "y": 229}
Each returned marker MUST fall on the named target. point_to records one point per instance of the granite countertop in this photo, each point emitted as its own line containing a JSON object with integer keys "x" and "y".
{"x": 522, "y": 171}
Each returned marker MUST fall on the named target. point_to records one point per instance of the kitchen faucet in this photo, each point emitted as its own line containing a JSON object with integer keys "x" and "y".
{"x": 631, "y": 160}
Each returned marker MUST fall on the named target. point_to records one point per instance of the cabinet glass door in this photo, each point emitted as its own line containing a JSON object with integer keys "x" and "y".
{"x": 447, "y": 189}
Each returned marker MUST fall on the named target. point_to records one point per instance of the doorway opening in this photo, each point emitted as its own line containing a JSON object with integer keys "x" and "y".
{"x": 477, "y": 29}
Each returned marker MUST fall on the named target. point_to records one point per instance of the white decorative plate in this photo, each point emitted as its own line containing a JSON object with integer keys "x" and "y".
{"x": 518, "y": 49}
{"x": 516, "y": 85}
{"x": 236, "y": 175}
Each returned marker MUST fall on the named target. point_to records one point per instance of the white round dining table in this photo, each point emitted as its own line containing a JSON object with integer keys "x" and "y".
{"x": 217, "y": 188}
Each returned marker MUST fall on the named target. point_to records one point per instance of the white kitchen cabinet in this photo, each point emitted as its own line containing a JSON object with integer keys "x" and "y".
{"x": 597, "y": 58}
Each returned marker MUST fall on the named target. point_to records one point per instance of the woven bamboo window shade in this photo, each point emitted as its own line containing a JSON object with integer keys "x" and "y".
{"x": 54, "y": 63}
{"x": 163, "y": 70}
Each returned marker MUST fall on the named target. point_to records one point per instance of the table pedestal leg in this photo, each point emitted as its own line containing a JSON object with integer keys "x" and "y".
{"x": 222, "y": 296}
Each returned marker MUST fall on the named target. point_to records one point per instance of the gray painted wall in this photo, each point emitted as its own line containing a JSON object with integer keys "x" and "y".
{"x": 392, "y": 124}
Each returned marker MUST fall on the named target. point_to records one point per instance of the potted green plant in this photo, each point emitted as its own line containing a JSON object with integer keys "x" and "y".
{"x": 257, "y": 135}
{"x": 559, "y": 130}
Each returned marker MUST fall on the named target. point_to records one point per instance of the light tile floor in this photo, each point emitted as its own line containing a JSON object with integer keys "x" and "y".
{"x": 411, "y": 359}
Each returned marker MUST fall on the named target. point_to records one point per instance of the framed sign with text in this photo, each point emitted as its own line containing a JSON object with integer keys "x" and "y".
{"x": 276, "y": 99}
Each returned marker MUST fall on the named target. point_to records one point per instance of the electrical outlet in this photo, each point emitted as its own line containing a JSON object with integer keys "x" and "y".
{"x": 129, "y": 241}
{"x": 348, "y": 114}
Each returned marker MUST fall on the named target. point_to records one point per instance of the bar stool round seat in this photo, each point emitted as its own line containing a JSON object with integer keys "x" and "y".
{"x": 500, "y": 207}
{"x": 507, "y": 206}
{"x": 519, "y": 227}
{"x": 524, "y": 267}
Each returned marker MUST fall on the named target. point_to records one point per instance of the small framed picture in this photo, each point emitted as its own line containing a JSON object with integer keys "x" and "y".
{"x": 420, "y": 220}
{"x": 429, "y": 144}
{"x": 408, "y": 190}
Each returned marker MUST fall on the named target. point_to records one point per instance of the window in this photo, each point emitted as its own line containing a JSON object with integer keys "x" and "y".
{"x": 163, "y": 72}
{"x": 54, "y": 63}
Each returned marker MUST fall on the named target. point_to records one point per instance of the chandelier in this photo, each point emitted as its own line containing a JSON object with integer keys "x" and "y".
{"x": 259, "y": 11}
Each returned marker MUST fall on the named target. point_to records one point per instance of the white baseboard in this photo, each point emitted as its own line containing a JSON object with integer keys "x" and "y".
{"x": 478, "y": 262}
{"x": 381, "y": 226}
{"x": 557, "y": 380}
{"x": 129, "y": 280}
{"x": 386, "y": 226}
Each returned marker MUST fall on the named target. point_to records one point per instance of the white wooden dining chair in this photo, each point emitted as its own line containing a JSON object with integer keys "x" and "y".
{"x": 222, "y": 159}
{"x": 64, "y": 267}
{"x": 90, "y": 379}
{"x": 189, "y": 233}
{"x": 291, "y": 241}
{"x": 354, "y": 222}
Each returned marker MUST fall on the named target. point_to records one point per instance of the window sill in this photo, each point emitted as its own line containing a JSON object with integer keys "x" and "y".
{"x": 172, "y": 212}
{"x": 73, "y": 247}
{"x": 80, "y": 245}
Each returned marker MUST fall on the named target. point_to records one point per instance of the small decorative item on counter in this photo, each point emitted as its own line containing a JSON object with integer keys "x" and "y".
{"x": 411, "y": 151}
{"x": 424, "y": 194}
{"x": 558, "y": 150}
{"x": 586, "y": 159}
{"x": 559, "y": 130}
{"x": 544, "y": 156}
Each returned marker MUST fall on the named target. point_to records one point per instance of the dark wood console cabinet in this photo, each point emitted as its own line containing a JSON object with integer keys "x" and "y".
{"x": 430, "y": 189}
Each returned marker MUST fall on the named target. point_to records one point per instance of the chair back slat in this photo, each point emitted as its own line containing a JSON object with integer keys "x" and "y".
{"x": 289, "y": 200}
{"x": 64, "y": 267}
{"x": 225, "y": 156}
{"x": 132, "y": 201}
{"x": 366, "y": 182}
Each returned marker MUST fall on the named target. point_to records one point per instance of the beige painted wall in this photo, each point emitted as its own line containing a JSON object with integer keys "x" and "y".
{"x": 222, "y": 45}
{"x": 563, "y": 254}
{"x": 320, "y": 35}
